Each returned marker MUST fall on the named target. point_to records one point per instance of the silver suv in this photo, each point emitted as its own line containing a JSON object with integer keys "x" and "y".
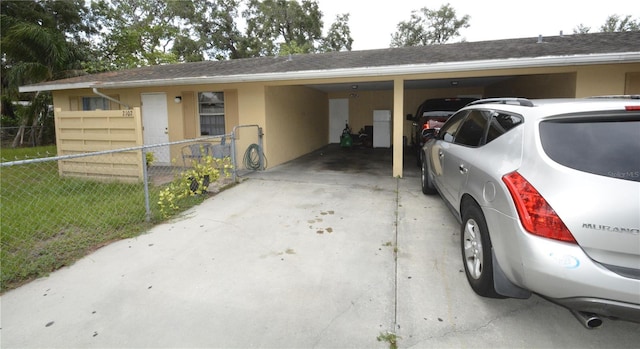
{"x": 548, "y": 196}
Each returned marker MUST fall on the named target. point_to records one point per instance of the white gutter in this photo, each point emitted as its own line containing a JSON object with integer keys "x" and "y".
{"x": 95, "y": 90}
{"x": 394, "y": 70}
{"x": 55, "y": 87}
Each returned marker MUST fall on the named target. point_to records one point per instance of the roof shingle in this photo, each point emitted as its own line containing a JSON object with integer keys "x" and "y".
{"x": 569, "y": 45}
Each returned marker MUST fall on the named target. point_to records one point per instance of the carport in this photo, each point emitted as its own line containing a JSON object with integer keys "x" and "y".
{"x": 403, "y": 95}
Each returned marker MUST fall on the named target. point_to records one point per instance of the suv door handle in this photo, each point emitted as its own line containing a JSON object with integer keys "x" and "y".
{"x": 463, "y": 169}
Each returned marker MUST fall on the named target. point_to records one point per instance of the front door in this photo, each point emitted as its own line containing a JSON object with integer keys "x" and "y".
{"x": 156, "y": 125}
{"x": 338, "y": 117}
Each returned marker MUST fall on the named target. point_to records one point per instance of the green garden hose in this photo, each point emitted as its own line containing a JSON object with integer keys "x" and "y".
{"x": 252, "y": 158}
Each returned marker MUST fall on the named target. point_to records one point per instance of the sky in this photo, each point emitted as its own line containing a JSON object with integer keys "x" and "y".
{"x": 373, "y": 21}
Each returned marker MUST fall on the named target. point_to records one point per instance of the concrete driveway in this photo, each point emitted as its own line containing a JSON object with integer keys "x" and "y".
{"x": 311, "y": 254}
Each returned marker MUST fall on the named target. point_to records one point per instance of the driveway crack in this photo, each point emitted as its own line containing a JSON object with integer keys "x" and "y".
{"x": 395, "y": 257}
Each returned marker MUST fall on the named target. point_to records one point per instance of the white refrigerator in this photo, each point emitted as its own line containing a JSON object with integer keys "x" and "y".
{"x": 382, "y": 128}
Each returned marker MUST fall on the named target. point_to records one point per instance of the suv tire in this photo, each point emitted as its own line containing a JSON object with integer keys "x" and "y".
{"x": 475, "y": 246}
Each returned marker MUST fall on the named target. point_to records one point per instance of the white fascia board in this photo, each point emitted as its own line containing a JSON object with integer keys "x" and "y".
{"x": 383, "y": 71}
{"x": 55, "y": 87}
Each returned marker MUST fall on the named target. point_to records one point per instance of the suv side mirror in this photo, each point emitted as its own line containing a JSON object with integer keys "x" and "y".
{"x": 429, "y": 133}
{"x": 410, "y": 117}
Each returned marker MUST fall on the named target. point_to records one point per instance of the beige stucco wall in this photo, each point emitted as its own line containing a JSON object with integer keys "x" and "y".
{"x": 604, "y": 79}
{"x": 295, "y": 118}
{"x": 251, "y": 111}
{"x": 398, "y": 121}
{"x": 297, "y": 122}
{"x": 535, "y": 86}
{"x": 183, "y": 116}
{"x": 632, "y": 84}
{"x": 183, "y": 119}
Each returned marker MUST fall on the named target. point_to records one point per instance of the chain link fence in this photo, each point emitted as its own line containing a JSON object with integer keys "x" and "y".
{"x": 27, "y": 135}
{"x": 55, "y": 210}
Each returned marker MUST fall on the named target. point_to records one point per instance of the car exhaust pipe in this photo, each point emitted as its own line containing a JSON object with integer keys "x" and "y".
{"x": 588, "y": 320}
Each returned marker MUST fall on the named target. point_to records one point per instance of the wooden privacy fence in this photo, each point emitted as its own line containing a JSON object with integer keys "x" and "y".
{"x": 79, "y": 132}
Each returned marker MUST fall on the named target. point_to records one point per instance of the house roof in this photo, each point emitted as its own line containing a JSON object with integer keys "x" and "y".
{"x": 597, "y": 48}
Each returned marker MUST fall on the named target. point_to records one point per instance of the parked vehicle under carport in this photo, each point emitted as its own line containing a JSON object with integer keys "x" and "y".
{"x": 430, "y": 116}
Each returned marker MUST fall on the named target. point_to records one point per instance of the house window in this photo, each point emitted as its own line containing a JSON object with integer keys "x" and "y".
{"x": 211, "y": 109}
{"x": 95, "y": 103}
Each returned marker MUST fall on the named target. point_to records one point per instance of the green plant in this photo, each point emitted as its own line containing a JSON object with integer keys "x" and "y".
{"x": 390, "y": 338}
{"x": 390, "y": 244}
{"x": 191, "y": 182}
{"x": 150, "y": 158}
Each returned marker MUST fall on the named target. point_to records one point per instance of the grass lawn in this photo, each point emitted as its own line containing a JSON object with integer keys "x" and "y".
{"x": 48, "y": 221}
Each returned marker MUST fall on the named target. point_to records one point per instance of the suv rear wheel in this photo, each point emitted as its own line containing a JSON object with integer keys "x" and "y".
{"x": 475, "y": 246}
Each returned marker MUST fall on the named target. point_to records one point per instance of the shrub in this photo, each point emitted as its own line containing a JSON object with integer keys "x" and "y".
{"x": 149, "y": 158}
{"x": 191, "y": 182}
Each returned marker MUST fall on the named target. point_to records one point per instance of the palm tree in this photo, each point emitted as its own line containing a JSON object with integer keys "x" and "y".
{"x": 35, "y": 49}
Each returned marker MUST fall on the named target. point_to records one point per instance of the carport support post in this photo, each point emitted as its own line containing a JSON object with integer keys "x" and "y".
{"x": 398, "y": 126}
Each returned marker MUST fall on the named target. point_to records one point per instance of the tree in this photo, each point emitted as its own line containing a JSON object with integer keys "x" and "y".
{"x": 41, "y": 40}
{"x": 282, "y": 26}
{"x": 616, "y": 24}
{"x": 187, "y": 45}
{"x": 224, "y": 35}
{"x": 613, "y": 23}
{"x": 134, "y": 33}
{"x": 410, "y": 33}
{"x": 209, "y": 29}
{"x": 581, "y": 29}
{"x": 428, "y": 27}
{"x": 339, "y": 35}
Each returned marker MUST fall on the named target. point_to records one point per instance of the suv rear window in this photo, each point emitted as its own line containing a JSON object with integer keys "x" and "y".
{"x": 607, "y": 148}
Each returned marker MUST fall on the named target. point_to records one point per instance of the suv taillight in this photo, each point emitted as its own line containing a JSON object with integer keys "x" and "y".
{"x": 535, "y": 213}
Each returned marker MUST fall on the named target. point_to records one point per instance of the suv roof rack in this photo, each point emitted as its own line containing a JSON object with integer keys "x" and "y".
{"x": 616, "y": 97}
{"x": 510, "y": 100}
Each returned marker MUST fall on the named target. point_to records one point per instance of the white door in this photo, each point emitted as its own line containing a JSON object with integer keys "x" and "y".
{"x": 156, "y": 125}
{"x": 338, "y": 117}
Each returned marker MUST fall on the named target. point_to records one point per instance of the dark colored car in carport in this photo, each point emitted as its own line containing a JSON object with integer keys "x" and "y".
{"x": 430, "y": 116}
